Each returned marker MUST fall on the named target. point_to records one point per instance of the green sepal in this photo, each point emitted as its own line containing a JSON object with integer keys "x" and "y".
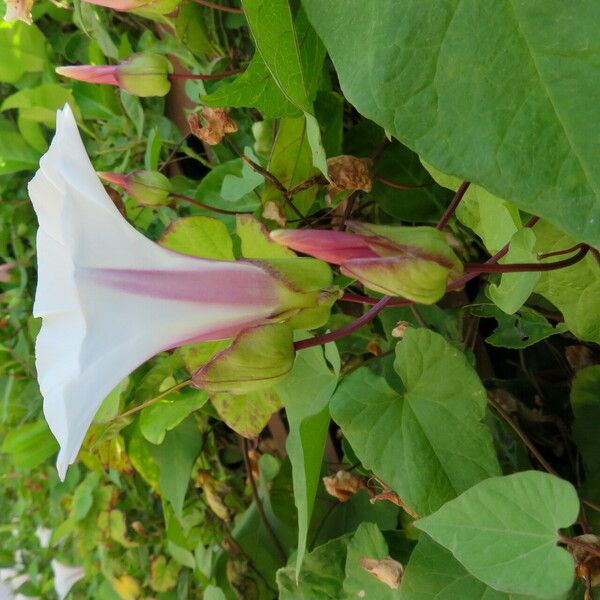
{"x": 149, "y": 188}
{"x": 257, "y": 358}
{"x": 145, "y": 74}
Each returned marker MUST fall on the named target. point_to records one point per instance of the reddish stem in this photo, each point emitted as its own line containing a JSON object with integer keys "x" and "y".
{"x": 460, "y": 192}
{"x": 206, "y": 77}
{"x": 347, "y": 329}
{"x": 219, "y": 6}
{"x": 221, "y": 211}
{"x": 372, "y": 301}
{"x": 399, "y": 186}
{"x": 560, "y": 252}
{"x": 527, "y": 267}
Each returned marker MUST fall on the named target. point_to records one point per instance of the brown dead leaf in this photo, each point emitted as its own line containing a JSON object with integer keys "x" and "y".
{"x": 215, "y": 492}
{"x": 579, "y": 357}
{"x": 588, "y": 564}
{"x": 387, "y": 570}
{"x": 400, "y": 329}
{"x": 216, "y": 125}
{"x": 273, "y": 212}
{"x": 343, "y": 485}
{"x": 348, "y": 173}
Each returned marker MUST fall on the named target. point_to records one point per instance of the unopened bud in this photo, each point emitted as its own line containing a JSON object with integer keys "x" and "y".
{"x": 148, "y": 188}
{"x": 144, "y": 74}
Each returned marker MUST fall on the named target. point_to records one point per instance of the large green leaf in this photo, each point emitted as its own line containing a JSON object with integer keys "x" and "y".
{"x": 279, "y": 39}
{"x": 483, "y": 91}
{"x": 254, "y": 88}
{"x": 504, "y": 532}
{"x": 433, "y": 573}
{"x": 23, "y": 50}
{"x": 305, "y": 394}
{"x": 427, "y": 444}
{"x": 175, "y": 458}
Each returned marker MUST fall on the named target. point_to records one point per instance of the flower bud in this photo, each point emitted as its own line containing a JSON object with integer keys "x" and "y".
{"x": 413, "y": 262}
{"x": 148, "y": 188}
{"x": 144, "y": 74}
{"x": 256, "y": 359}
{"x": 162, "y": 7}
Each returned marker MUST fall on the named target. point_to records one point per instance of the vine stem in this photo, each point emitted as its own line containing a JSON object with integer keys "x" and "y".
{"x": 590, "y": 548}
{"x": 528, "y": 267}
{"x": 347, "y": 329}
{"x": 206, "y": 77}
{"x": 460, "y": 192}
{"x": 400, "y": 186}
{"x": 219, "y": 6}
{"x": 259, "y": 505}
{"x": 154, "y": 400}
{"x": 221, "y": 211}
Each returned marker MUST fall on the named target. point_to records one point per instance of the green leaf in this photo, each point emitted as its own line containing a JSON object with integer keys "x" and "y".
{"x": 214, "y": 593}
{"x": 321, "y": 576}
{"x": 294, "y": 56}
{"x": 504, "y": 532}
{"x": 247, "y": 414}
{"x": 529, "y": 139}
{"x": 23, "y": 50}
{"x": 168, "y": 412}
{"x": 175, "y": 458}
{"x": 255, "y": 240}
{"x": 494, "y": 220}
{"x": 291, "y": 162}
{"x": 254, "y": 88}
{"x": 212, "y": 189}
{"x": 428, "y": 444}
{"x": 521, "y": 330}
{"x": 305, "y": 394}
{"x": 30, "y": 445}
{"x": 433, "y": 573}
{"x": 367, "y": 542}
{"x": 574, "y": 290}
{"x": 585, "y": 401}
{"x": 514, "y": 288}
{"x": 277, "y": 41}
{"x": 15, "y": 153}
{"x": 163, "y": 574}
{"x": 205, "y": 237}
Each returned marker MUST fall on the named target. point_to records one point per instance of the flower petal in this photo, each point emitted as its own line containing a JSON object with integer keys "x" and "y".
{"x": 110, "y": 298}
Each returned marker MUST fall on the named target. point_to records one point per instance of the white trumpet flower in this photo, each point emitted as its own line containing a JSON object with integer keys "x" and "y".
{"x": 110, "y": 298}
{"x": 65, "y": 577}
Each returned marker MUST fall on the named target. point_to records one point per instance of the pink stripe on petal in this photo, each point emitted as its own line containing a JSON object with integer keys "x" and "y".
{"x": 231, "y": 286}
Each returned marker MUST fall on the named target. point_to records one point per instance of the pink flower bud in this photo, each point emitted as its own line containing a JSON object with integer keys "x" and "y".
{"x": 149, "y": 188}
{"x": 144, "y": 74}
{"x": 413, "y": 262}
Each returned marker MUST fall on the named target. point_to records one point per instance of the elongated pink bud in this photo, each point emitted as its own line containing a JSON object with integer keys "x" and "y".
{"x": 143, "y": 74}
{"x": 119, "y": 4}
{"x": 149, "y": 188}
{"x": 91, "y": 74}
{"x": 335, "y": 247}
{"x": 413, "y": 262}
